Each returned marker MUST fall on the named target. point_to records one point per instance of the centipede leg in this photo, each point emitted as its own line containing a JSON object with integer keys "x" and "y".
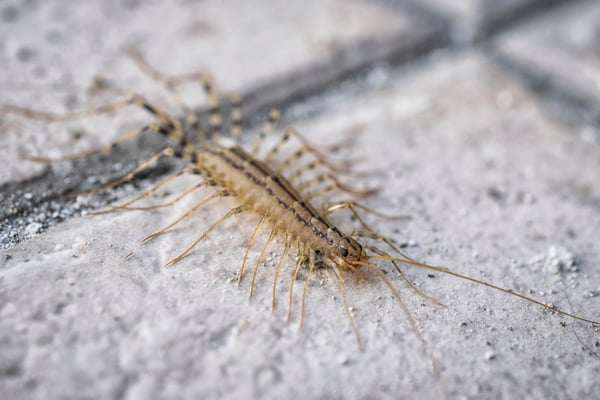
{"x": 341, "y": 285}
{"x": 286, "y": 250}
{"x": 333, "y": 184}
{"x": 261, "y": 223}
{"x": 166, "y": 126}
{"x": 169, "y": 83}
{"x": 409, "y": 315}
{"x": 212, "y": 197}
{"x": 269, "y": 126}
{"x": 168, "y": 152}
{"x": 171, "y": 203}
{"x": 127, "y": 206}
{"x": 311, "y": 263}
{"x": 301, "y": 259}
{"x": 405, "y": 278}
{"x": 353, "y": 205}
{"x": 260, "y": 259}
{"x": 232, "y": 212}
{"x": 320, "y": 159}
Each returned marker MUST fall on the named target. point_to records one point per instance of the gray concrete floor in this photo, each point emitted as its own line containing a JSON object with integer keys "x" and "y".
{"x": 492, "y": 153}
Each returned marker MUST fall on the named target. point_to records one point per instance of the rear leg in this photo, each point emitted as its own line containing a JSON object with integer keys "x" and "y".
{"x": 170, "y": 83}
{"x": 168, "y": 152}
{"x": 166, "y": 125}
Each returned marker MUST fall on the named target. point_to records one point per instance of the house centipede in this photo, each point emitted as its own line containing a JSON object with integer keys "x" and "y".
{"x": 280, "y": 192}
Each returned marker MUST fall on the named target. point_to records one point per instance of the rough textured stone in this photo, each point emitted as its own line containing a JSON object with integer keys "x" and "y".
{"x": 72, "y": 43}
{"x": 493, "y": 186}
{"x": 476, "y": 19}
{"x": 559, "y": 55}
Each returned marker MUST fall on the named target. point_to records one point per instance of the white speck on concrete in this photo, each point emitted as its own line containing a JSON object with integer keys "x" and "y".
{"x": 33, "y": 228}
{"x": 559, "y": 260}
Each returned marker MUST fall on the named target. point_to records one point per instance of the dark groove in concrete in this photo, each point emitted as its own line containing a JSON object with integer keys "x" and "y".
{"x": 571, "y": 108}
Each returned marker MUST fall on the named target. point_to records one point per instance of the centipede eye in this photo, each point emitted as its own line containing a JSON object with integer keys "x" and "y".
{"x": 343, "y": 251}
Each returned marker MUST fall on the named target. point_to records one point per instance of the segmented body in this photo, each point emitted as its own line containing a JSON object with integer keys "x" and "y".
{"x": 267, "y": 192}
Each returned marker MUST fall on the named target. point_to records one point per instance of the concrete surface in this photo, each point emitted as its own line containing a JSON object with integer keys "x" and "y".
{"x": 558, "y": 55}
{"x": 498, "y": 188}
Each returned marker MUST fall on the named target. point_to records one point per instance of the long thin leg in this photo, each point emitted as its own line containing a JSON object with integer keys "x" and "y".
{"x": 170, "y": 83}
{"x": 405, "y": 278}
{"x": 132, "y": 99}
{"x": 305, "y": 149}
{"x": 407, "y": 313}
{"x": 212, "y": 197}
{"x": 353, "y": 205}
{"x": 343, "y": 167}
{"x": 311, "y": 263}
{"x": 340, "y": 281}
{"x": 261, "y": 222}
{"x": 270, "y": 125}
{"x": 103, "y": 149}
{"x": 168, "y": 152}
{"x": 232, "y": 212}
{"x": 334, "y": 184}
{"x": 154, "y": 189}
{"x": 165, "y": 82}
{"x": 286, "y": 250}
{"x": 277, "y": 147}
{"x": 236, "y": 118}
{"x": 260, "y": 259}
{"x": 300, "y": 171}
{"x": 167, "y": 126}
{"x": 171, "y": 203}
{"x": 301, "y": 259}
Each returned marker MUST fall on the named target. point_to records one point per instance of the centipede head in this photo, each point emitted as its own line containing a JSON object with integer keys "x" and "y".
{"x": 346, "y": 252}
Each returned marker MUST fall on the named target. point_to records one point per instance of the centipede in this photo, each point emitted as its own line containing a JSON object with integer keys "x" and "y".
{"x": 289, "y": 189}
